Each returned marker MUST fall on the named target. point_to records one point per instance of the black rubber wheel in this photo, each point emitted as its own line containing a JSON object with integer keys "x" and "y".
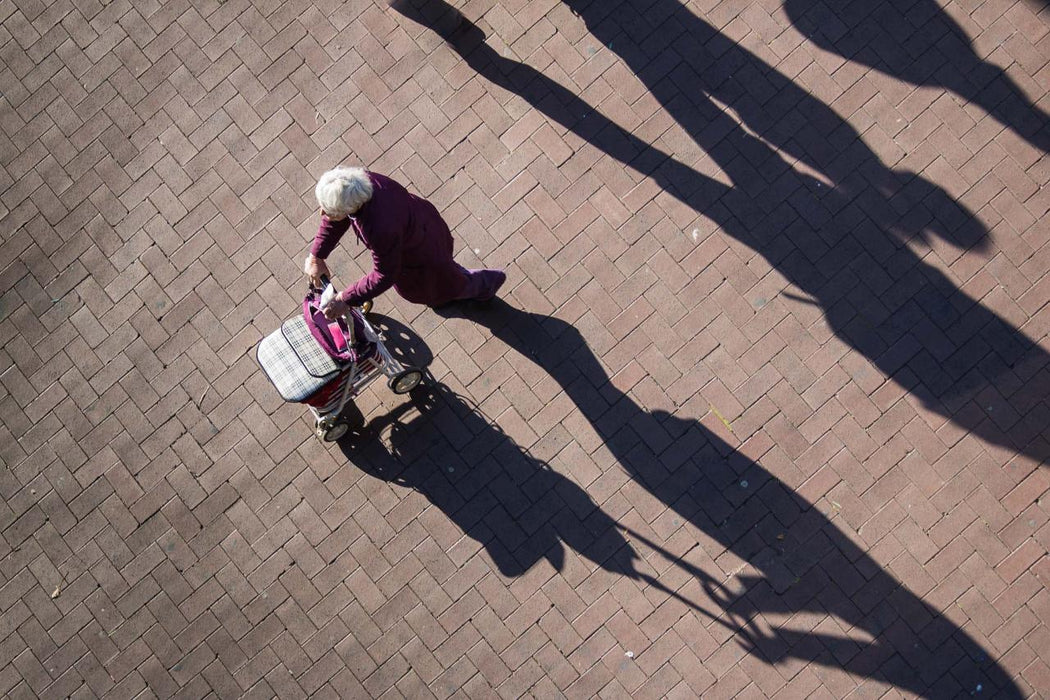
{"x": 405, "y": 381}
{"x": 333, "y": 433}
{"x": 352, "y": 416}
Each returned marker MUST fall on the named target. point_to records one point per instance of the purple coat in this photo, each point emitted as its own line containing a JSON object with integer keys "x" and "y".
{"x": 411, "y": 247}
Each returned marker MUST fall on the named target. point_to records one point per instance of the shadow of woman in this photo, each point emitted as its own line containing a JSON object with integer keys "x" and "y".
{"x": 514, "y": 505}
{"x": 918, "y": 42}
{"x": 500, "y": 496}
{"x": 798, "y": 564}
{"x": 846, "y": 235}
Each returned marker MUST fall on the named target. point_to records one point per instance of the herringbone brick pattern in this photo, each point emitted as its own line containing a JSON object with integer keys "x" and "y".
{"x": 764, "y": 411}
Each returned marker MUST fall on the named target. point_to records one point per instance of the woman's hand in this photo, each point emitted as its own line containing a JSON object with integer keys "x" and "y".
{"x": 315, "y": 268}
{"x": 336, "y": 308}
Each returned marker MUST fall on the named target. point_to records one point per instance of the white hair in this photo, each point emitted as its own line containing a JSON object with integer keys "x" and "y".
{"x": 342, "y": 191}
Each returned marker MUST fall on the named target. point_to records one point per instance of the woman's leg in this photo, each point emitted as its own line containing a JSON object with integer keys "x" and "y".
{"x": 442, "y": 283}
{"x": 441, "y": 279}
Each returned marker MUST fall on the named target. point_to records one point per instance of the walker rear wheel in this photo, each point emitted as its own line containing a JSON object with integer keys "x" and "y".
{"x": 405, "y": 381}
{"x": 335, "y": 432}
{"x": 329, "y": 431}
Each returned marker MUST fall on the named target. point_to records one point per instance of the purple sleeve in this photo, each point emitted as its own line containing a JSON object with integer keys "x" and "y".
{"x": 328, "y": 236}
{"x": 386, "y": 265}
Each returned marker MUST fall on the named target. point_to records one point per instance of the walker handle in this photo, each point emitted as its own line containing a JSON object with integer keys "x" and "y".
{"x": 324, "y": 283}
{"x": 366, "y": 307}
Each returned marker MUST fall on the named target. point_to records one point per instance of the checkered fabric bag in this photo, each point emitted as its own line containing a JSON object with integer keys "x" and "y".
{"x": 295, "y": 362}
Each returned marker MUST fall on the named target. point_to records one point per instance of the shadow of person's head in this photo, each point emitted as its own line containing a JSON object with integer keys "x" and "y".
{"x": 918, "y": 41}
{"x": 910, "y": 207}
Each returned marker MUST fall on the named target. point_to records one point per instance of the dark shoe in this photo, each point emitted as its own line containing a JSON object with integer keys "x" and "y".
{"x": 494, "y": 279}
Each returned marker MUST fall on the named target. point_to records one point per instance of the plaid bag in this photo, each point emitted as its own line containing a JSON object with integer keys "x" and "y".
{"x": 295, "y": 362}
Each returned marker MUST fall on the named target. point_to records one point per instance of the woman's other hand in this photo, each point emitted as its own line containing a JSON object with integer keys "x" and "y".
{"x": 315, "y": 269}
{"x": 335, "y": 309}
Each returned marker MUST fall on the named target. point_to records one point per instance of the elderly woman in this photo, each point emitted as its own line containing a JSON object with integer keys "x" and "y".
{"x": 411, "y": 244}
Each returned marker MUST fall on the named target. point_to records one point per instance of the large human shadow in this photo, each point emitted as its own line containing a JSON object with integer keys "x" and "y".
{"x": 918, "y": 42}
{"x": 441, "y": 445}
{"x": 518, "y": 508}
{"x": 512, "y": 503}
{"x": 521, "y": 510}
{"x": 846, "y": 235}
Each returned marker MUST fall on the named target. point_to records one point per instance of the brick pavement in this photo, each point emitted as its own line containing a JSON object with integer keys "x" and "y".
{"x": 765, "y": 405}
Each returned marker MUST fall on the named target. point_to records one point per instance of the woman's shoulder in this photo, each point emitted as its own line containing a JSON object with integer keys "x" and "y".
{"x": 384, "y": 185}
{"x": 386, "y": 208}
{"x": 388, "y": 198}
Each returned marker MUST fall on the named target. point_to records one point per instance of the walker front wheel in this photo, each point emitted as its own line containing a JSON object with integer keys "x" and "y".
{"x": 405, "y": 381}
